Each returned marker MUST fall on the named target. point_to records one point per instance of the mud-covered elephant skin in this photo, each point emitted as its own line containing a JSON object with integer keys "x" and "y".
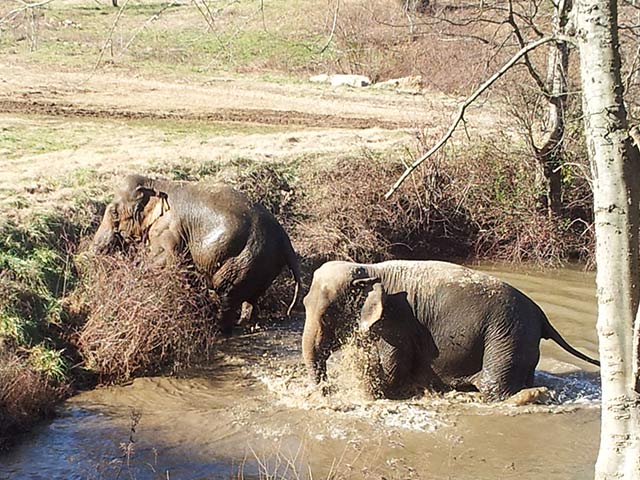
{"x": 451, "y": 325}
{"x": 237, "y": 244}
{"x": 399, "y": 348}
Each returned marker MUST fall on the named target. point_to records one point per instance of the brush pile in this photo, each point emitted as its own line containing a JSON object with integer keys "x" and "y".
{"x": 141, "y": 319}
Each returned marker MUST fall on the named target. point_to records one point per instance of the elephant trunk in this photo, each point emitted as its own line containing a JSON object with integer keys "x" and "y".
{"x": 314, "y": 357}
{"x": 105, "y": 238}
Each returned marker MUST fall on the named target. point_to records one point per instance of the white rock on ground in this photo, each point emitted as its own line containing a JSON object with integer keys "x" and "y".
{"x": 339, "y": 80}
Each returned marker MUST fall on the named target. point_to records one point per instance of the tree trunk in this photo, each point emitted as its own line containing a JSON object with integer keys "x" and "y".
{"x": 615, "y": 165}
{"x": 114, "y": 3}
{"x": 550, "y": 154}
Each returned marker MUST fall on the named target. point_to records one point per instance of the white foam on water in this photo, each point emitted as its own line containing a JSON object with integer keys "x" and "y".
{"x": 575, "y": 388}
{"x": 413, "y": 417}
{"x": 292, "y": 391}
{"x": 345, "y": 400}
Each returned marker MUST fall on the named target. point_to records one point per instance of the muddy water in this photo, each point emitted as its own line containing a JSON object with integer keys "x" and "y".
{"x": 253, "y": 413}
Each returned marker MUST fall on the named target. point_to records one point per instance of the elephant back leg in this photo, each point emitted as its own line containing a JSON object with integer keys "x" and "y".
{"x": 227, "y": 283}
{"x": 507, "y": 368}
{"x": 241, "y": 280}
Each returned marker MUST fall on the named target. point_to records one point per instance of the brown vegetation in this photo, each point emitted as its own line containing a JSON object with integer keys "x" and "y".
{"x": 26, "y": 395}
{"x": 141, "y": 319}
{"x": 477, "y": 207}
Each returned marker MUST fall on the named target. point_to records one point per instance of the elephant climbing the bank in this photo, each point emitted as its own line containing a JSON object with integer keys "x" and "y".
{"x": 442, "y": 324}
{"x": 237, "y": 244}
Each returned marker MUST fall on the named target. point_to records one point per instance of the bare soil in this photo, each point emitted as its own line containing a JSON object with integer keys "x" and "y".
{"x": 306, "y": 119}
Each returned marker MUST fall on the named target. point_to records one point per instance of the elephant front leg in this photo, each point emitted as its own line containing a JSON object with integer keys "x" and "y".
{"x": 391, "y": 378}
{"x": 164, "y": 244}
{"x": 227, "y": 312}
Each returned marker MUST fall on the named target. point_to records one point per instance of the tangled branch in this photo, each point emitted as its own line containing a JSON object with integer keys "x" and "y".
{"x": 472, "y": 98}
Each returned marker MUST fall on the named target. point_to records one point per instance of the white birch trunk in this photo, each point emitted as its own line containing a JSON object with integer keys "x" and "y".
{"x": 615, "y": 165}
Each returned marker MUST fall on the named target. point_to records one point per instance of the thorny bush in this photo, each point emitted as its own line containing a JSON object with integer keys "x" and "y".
{"x": 26, "y": 394}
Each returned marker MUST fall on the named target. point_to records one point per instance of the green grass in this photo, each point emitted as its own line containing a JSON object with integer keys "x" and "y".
{"x": 36, "y": 272}
{"x": 175, "y": 130}
{"x": 50, "y": 362}
{"x": 195, "y": 50}
{"x": 179, "y": 41}
{"x": 27, "y": 139}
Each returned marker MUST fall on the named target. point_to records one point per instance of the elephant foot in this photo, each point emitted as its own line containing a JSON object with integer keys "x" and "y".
{"x": 327, "y": 390}
{"x": 528, "y": 396}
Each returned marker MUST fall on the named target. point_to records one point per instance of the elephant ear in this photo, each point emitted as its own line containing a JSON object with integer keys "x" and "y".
{"x": 373, "y": 307}
{"x": 143, "y": 194}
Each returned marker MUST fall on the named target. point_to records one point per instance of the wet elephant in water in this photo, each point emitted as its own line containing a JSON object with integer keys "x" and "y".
{"x": 450, "y": 325}
{"x": 237, "y": 244}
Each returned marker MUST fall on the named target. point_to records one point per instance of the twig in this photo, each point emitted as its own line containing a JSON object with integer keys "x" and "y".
{"x": 25, "y": 6}
{"x": 464, "y": 107}
{"x": 149, "y": 21}
{"x": 527, "y": 61}
{"x": 108, "y": 39}
{"x": 333, "y": 28}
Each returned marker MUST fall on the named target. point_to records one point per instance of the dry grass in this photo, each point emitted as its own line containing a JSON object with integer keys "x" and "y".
{"x": 26, "y": 395}
{"x": 141, "y": 319}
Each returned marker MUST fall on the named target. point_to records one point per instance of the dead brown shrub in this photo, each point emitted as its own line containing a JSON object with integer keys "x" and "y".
{"x": 26, "y": 395}
{"x": 348, "y": 218}
{"x": 481, "y": 203}
{"x": 141, "y": 319}
{"x": 508, "y": 206}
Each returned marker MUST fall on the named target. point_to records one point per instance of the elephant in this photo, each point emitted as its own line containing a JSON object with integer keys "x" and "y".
{"x": 439, "y": 323}
{"x": 238, "y": 245}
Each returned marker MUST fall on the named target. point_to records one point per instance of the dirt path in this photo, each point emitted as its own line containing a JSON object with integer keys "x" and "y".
{"x": 116, "y": 94}
{"x": 112, "y": 118}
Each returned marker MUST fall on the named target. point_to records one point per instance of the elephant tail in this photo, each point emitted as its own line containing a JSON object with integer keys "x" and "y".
{"x": 294, "y": 266}
{"x": 551, "y": 333}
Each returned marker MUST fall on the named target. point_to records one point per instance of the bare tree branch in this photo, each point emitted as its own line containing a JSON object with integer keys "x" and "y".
{"x": 333, "y": 28}
{"x": 527, "y": 61}
{"x": 466, "y": 104}
{"x": 107, "y": 40}
{"x": 25, "y": 6}
{"x": 149, "y": 21}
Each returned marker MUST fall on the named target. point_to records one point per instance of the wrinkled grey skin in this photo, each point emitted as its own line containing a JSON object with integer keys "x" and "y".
{"x": 440, "y": 323}
{"x": 240, "y": 246}
{"x": 400, "y": 348}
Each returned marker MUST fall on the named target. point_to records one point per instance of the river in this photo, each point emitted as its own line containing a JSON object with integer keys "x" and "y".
{"x": 251, "y": 414}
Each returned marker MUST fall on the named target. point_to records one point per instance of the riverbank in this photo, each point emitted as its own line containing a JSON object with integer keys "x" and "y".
{"x": 90, "y": 93}
{"x": 332, "y": 208}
